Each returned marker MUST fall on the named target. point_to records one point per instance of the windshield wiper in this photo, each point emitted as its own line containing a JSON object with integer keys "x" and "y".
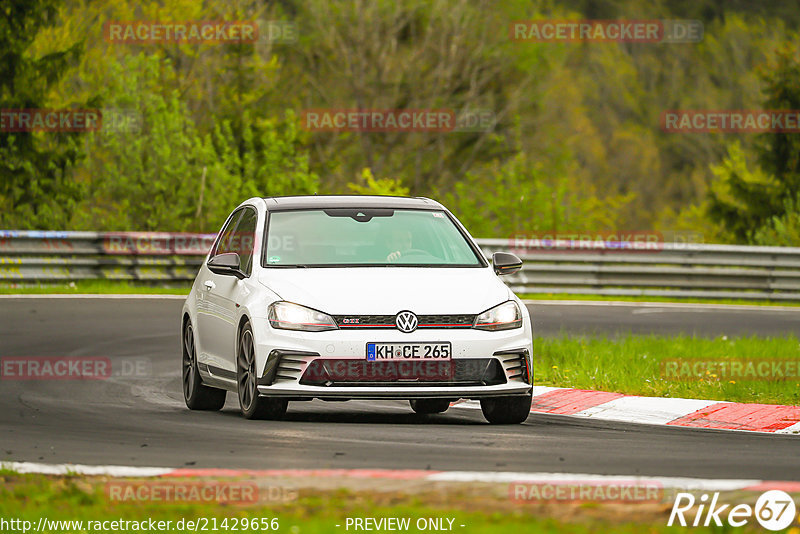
{"x": 360, "y": 215}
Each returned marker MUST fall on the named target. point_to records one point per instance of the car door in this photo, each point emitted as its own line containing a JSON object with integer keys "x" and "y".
{"x": 230, "y": 291}
{"x": 214, "y": 315}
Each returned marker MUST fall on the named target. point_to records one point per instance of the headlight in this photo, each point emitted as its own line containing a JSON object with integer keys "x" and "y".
{"x": 288, "y": 316}
{"x": 503, "y": 317}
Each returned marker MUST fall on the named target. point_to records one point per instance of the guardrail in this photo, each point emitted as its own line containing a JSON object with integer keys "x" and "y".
{"x": 613, "y": 269}
{"x": 33, "y": 256}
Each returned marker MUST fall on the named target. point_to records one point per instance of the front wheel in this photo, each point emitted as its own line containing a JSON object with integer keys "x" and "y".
{"x": 429, "y": 406}
{"x": 511, "y": 410}
{"x": 251, "y": 404}
{"x": 197, "y": 395}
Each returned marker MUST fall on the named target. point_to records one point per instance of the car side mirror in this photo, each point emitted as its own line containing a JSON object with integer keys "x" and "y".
{"x": 506, "y": 263}
{"x": 227, "y": 264}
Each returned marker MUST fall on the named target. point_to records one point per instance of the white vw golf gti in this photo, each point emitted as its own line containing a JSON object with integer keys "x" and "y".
{"x": 354, "y": 297}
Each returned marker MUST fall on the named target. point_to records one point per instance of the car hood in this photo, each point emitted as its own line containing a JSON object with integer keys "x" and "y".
{"x": 389, "y": 290}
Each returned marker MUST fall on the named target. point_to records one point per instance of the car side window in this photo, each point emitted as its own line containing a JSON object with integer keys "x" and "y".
{"x": 227, "y": 234}
{"x": 244, "y": 239}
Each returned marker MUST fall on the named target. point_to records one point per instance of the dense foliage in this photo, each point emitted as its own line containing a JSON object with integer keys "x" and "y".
{"x": 577, "y": 143}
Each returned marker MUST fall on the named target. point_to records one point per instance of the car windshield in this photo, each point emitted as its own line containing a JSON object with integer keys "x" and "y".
{"x": 366, "y": 237}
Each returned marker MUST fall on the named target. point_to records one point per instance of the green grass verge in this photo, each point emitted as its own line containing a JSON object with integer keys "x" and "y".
{"x": 604, "y": 298}
{"x": 633, "y": 365}
{"x": 98, "y": 287}
{"x": 31, "y": 497}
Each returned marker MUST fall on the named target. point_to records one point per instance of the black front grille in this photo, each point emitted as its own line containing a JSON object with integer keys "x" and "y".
{"x": 387, "y": 321}
{"x": 344, "y": 372}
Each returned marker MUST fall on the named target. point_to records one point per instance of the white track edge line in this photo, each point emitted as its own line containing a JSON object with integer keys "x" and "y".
{"x": 501, "y": 477}
{"x": 591, "y": 414}
{"x": 96, "y": 470}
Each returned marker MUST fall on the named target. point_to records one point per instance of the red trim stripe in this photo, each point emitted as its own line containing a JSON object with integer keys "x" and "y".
{"x": 787, "y": 486}
{"x": 571, "y": 401}
{"x": 733, "y": 416}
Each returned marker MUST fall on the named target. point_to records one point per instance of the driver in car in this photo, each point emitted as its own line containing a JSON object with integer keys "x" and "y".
{"x": 399, "y": 242}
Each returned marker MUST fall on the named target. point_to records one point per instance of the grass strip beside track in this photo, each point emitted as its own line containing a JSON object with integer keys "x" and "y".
{"x": 481, "y": 510}
{"x": 633, "y": 365}
{"x": 98, "y": 287}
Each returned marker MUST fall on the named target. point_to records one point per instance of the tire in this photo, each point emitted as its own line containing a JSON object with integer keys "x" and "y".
{"x": 429, "y": 406}
{"x": 511, "y": 410}
{"x": 196, "y": 395}
{"x": 251, "y": 404}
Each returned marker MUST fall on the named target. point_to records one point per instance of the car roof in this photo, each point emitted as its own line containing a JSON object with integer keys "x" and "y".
{"x": 349, "y": 201}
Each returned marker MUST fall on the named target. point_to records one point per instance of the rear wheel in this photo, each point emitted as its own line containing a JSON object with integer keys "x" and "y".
{"x": 429, "y": 406}
{"x": 197, "y": 395}
{"x": 509, "y": 410}
{"x": 252, "y": 405}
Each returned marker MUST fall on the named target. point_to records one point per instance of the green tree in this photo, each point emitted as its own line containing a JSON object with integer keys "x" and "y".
{"x": 266, "y": 157}
{"x": 782, "y": 230}
{"x": 520, "y": 196}
{"x": 742, "y": 199}
{"x": 779, "y": 153}
{"x": 144, "y": 175}
{"x": 745, "y": 200}
{"x": 369, "y": 185}
{"x": 36, "y": 186}
{"x": 165, "y": 175}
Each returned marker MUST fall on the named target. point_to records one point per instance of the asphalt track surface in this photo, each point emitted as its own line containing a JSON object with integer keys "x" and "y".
{"x": 141, "y": 419}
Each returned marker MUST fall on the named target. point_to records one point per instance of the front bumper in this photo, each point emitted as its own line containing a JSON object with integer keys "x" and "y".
{"x": 293, "y": 353}
{"x": 393, "y": 392}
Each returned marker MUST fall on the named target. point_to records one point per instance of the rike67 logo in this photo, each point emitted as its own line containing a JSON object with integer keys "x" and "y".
{"x": 774, "y": 510}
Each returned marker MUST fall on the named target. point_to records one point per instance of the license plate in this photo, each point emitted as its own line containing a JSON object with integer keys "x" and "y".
{"x": 377, "y": 352}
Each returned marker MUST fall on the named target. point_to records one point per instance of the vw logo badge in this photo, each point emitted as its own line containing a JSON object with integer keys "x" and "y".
{"x": 406, "y": 321}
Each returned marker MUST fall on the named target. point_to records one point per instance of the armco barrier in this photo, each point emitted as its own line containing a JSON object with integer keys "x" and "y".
{"x": 667, "y": 269}
{"x": 684, "y": 270}
{"x": 31, "y": 256}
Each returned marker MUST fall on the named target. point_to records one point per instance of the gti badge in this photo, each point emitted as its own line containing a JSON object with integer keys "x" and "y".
{"x": 406, "y": 321}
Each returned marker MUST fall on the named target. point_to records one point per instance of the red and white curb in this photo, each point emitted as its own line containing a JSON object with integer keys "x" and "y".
{"x": 770, "y": 418}
{"x": 491, "y": 477}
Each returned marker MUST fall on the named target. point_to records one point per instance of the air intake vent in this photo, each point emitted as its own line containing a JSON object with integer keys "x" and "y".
{"x": 515, "y": 365}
